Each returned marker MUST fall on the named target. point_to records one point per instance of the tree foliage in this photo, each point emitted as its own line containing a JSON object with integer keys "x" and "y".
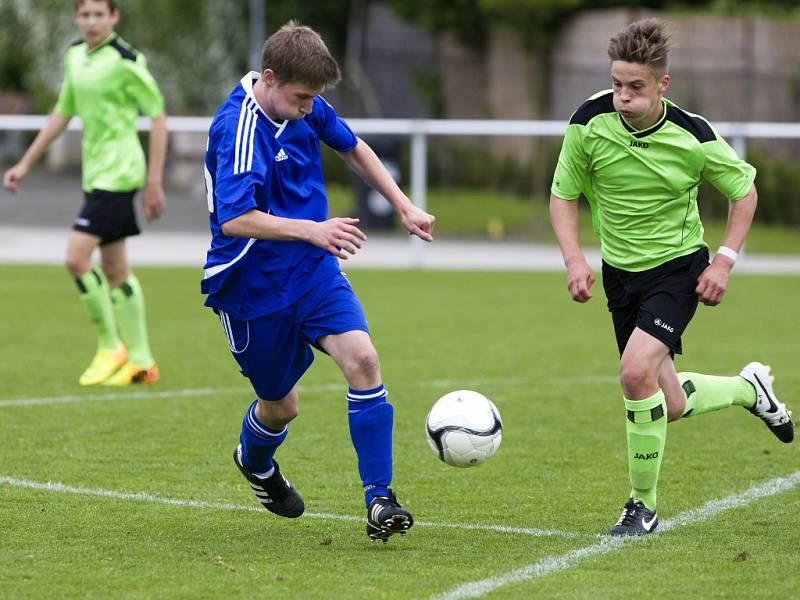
{"x": 472, "y": 18}
{"x": 196, "y": 49}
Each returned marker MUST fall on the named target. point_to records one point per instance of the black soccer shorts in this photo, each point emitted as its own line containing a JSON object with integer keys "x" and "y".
{"x": 108, "y": 215}
{"x": 660, "y": 301}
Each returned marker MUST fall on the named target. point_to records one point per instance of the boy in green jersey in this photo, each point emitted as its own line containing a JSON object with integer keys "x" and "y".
{"x": 107, "y": 84}
{"x": 639, "y": 159}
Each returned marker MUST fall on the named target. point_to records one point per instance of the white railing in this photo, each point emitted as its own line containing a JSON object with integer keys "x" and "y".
{"x": 419, "y": 130}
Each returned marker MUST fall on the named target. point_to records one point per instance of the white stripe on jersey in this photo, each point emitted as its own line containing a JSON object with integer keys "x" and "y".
{"x": 245, "y": 138}
{"x": 245, "y": 132}
{"x": 239, "y": 136}
{"x": 209, "y": 188}
{"x": 211, "y": 271}
{"x": 252, "y": 134}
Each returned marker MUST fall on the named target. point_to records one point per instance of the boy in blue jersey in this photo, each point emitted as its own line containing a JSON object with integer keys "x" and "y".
{"x": 272, "y": 274}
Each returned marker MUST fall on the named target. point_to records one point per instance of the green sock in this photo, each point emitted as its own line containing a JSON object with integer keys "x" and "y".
{"x": 707, "y": 393}
{"x": 646, "y": 426}
{"x": 96, "y": 300}
{"x": 129, "y": 308}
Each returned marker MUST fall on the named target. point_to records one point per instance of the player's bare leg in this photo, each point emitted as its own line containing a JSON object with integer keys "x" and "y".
{"x": 129, "y": 310}
{"x": 371, "y": 419}
{"x": 95, "y": 295}
{"x": 263, "y": 430}
{"x": 641, "y": 368}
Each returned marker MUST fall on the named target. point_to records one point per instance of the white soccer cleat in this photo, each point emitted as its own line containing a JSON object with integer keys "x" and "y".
{"x": 767, "y": 407}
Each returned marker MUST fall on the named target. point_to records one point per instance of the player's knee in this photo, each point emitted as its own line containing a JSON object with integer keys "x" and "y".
{"x": 364, "y": 363}
{"x": 278, "y": 414}
{"x": 76, "y": 265}
{"x": 116, "y": 272}
{"x": 634, "y": 377}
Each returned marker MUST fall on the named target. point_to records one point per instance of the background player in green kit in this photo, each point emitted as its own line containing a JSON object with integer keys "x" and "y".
{"x": 639, "y": 160}
{"x": 107, "y": 84}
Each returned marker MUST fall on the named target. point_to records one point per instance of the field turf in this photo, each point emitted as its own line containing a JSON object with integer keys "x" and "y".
{"x": 131, "y": 493}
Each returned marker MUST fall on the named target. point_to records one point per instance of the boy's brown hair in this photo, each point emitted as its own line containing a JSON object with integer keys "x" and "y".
{"x": 112, "y": 5}
{"x": 645, "y": 42}
{"x": 297, "y": 54}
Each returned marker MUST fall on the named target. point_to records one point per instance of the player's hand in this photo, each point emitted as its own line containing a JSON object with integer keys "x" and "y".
{"x": 713, "y": 281}
{"x": 153, "y": 201}
{"x": 580, "y": 279}
{"x": 419, "y": 223}
{"x": 14, "y": 176}
{"x": 339, "y": 236}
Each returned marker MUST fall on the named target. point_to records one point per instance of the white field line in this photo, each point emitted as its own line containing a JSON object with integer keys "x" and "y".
{"x": 554, "y": 564}
{"x": 146, "y": 497}
{"x": 194, "y": 392}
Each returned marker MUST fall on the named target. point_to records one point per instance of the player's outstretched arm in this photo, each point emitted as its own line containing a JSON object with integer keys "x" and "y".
{"x": 340, "y": 236}
{"x": 363, "y": 160}
{"x": 153, "y": 196}
{"x": 713, "y": 281}
{"x": 580, "y": 278}
{"x": 55, "y": 124}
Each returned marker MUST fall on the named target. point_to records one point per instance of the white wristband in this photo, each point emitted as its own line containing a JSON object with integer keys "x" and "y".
{"x": 729, "y": 252}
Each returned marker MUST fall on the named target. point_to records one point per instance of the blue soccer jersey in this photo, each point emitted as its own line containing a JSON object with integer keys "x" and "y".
{"x": 253, "y": 162}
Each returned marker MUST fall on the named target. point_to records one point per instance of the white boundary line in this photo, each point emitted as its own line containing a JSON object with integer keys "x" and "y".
{"x": 147, "y": 497}
{"x": 193, "y": 392}
{"x": 554, "y": 564}
{"x": 308, "y": 389}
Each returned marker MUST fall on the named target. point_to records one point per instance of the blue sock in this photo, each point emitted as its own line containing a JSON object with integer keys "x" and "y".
{"x": 371, "y": 418}
{"x": 259, "y": 442}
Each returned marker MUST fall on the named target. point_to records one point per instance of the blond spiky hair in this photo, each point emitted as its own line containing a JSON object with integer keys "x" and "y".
{"x": 645, "y": 42}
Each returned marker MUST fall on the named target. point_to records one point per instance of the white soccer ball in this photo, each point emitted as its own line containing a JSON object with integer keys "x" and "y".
{"x": 464, "y": 428}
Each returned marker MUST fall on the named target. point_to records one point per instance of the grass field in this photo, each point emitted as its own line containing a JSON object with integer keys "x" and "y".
{"x": 131, "y": 493}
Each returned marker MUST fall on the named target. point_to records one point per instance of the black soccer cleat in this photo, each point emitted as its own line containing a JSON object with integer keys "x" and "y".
{"x": 767, "y": 407}
{"x": 274, "y": 492}
{"x": 636, "y": 519}
{"x": 385, "y": 517}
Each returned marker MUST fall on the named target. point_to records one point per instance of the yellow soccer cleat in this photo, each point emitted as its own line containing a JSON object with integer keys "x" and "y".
{"x": 104, "y": 364}
{"x": 131, "y": 373}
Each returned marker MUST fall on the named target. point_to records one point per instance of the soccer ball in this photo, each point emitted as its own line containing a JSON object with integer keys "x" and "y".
{"x": 464, "y": 428}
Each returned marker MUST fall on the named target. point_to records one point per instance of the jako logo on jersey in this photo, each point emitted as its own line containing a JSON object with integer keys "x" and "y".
{"x": 648, "y": 456}
{"x": 638, "y": 144}
{"x": 281, "y": 155}
{"x": 660, "y": 323}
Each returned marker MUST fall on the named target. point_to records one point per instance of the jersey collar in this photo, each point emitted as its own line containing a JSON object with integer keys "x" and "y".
{"x": 652, "y": 129}
{"x": 247, "y": 84}
{"x": 112, "y": 36}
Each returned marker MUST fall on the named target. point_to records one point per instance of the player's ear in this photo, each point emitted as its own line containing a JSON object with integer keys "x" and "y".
{"x": 663, "y": 83}
{"x": 268, "y": 75}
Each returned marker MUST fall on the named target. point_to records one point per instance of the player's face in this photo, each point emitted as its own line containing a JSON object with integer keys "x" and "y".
{"x": 637, "y": 93}
{"x": 96, "y": 21}
{"x": 288, "y": 101}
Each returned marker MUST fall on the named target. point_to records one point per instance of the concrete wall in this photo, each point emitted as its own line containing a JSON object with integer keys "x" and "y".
{"x": 725, "y": 68}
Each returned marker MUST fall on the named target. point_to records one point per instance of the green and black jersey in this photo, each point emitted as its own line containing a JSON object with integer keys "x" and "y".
{"x": 642, "y": 185}
{"x": 107, "y": 87}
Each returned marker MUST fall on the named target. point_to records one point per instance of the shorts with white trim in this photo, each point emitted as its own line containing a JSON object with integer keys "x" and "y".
{"x": 107, "y": 215}
{"x": 274, "y": 351}
{"x": 660, "y": 301}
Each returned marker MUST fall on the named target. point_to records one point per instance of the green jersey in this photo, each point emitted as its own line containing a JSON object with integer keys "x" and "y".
{"x": 642, "y": 185}
{"x": 107, "y": 87}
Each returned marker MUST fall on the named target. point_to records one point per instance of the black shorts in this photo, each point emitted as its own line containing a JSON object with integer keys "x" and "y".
{"x": 108, "y": 215}
{"x": 660, "y": 301}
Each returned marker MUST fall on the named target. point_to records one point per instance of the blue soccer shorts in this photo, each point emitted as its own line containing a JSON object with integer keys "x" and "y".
{"x": 274, "y": 351}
